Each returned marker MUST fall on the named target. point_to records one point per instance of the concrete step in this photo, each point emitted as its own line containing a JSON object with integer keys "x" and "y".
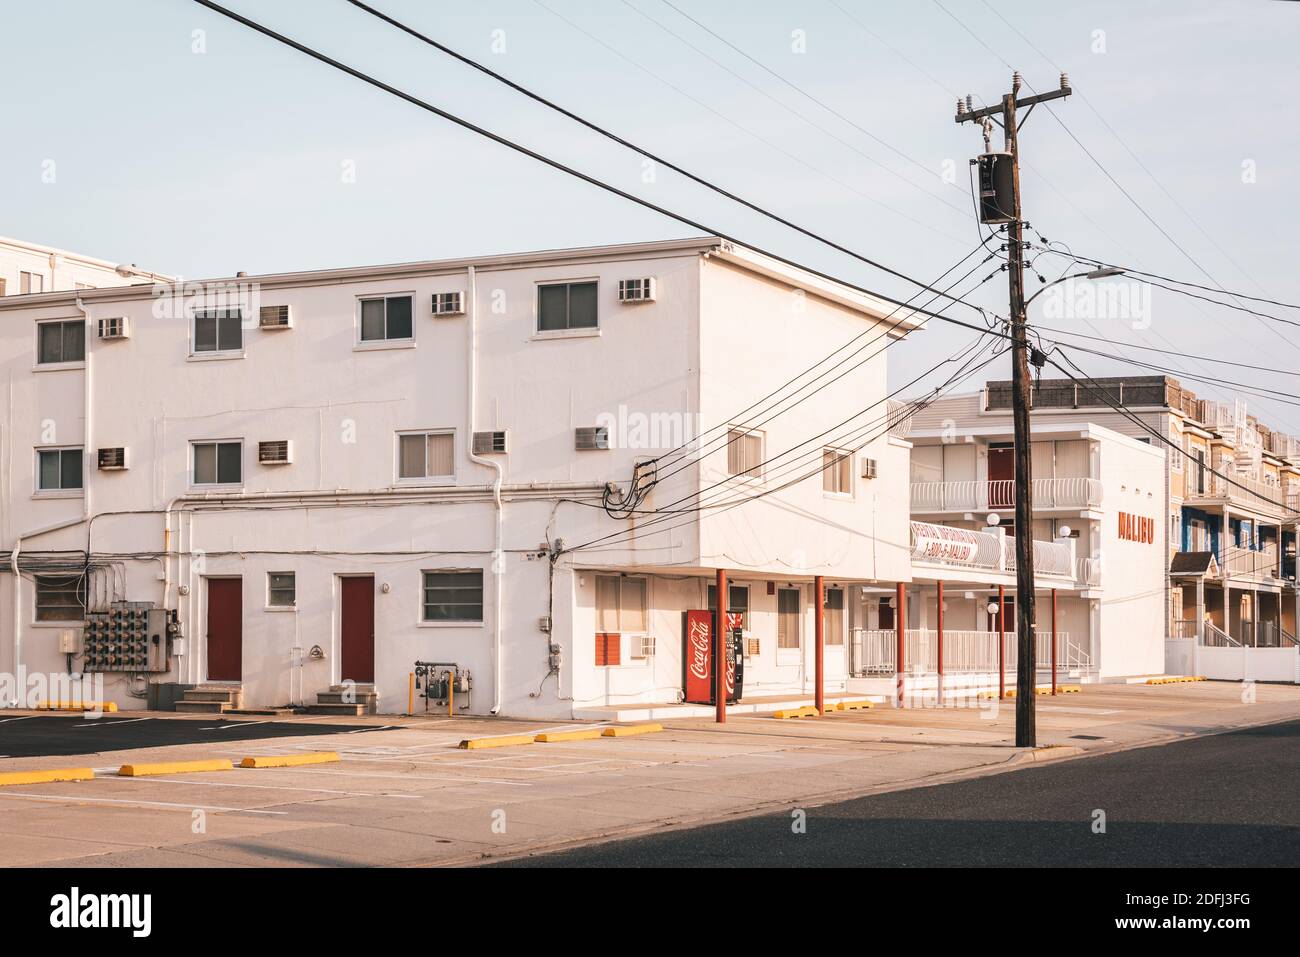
{"x": 344, "y": 697}
{"x": 203, "y": 707}
{"x": 264, "y": 712}
{"x": 339, "y": 708}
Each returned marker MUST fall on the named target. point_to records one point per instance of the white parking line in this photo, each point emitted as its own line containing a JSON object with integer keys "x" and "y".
{"x": 23, "y": 718}
{"x": 419, "y": 777}
{"x": 239, "y": 724}
{"x": 260, "y": 787}
{"x": 184, "y": 807}
{"x": 109, "y": 724}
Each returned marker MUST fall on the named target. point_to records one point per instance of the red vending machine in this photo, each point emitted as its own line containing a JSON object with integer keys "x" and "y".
{"x": 698, "y": 657}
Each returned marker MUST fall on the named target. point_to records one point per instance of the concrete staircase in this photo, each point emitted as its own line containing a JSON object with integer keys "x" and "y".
{"x": 347, "y": 699}
{"x": 212, "y": 699}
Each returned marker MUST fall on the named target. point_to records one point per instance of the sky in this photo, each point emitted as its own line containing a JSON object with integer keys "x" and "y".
{"x": 160, "y": 133}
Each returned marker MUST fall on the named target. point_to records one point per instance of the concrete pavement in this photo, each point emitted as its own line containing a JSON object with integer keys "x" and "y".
{"x": 409, "y": 797}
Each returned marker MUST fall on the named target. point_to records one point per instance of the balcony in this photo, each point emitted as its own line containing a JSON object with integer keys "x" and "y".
{"x": 979, "y": 496}
{"x": 985, "y": 551}
{"x": 1245, "y": 492}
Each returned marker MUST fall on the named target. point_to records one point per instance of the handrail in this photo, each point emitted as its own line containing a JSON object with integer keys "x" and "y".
{"x": 977, "y": 494}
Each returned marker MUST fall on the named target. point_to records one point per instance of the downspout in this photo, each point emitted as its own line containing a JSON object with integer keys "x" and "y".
{"x": 86, "y": 445}
{"x": 498, "y": 558}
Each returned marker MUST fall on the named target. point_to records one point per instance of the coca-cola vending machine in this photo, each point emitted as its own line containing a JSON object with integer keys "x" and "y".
{"x": 698, "y": 657}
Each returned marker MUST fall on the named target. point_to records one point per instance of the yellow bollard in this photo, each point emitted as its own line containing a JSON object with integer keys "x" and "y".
{"x": 410, "y": 694}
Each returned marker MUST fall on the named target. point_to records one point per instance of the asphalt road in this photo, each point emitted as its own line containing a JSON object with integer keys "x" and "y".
{"x": 1223, "y": 800}
{"x": 30, "y": 736}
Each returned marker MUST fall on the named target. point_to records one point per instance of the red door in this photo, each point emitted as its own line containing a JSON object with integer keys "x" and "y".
{"x": 225, "y": 629}
{"x": 358, "y": 626}
{"x": 1002, "y": 477}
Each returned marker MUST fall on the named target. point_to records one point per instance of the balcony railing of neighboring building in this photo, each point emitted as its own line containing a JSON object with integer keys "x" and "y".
{"x": 1242, "y": 490}
{"x": 873, "y": 652}
{"x": 898, "y": 418}
{"x": 1182, "y": 628}
{"x": 1238, "y": 562}
{"x": 974, "y": 495}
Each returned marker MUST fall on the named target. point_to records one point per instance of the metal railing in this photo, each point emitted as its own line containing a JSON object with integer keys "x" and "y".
{"x": 1050, "y": 558}
{"x": 1250, "y": 492}
{"x": 972, "y": 495}
{"x": 1241, "y": 562}
{"x": 1182, "y": 628}
{"x": 1089, "y": 571}
{"x": 945, "y": 545}
{"x": 873, "y": 652}
{"x": 1216, "y": 637}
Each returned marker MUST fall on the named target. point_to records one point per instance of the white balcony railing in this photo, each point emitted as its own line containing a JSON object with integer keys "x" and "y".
{"x": 1238, "y": 562}
{"x": 982, "y": 495}
{"x": 1050, "y": 558}
{"x": 1250, "y": 492}
{"x": 874, "y": 652}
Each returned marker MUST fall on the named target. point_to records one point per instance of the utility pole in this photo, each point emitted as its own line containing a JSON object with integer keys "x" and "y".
{"x": 1000, "y": 202}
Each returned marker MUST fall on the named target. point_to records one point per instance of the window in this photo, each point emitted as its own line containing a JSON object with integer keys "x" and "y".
{"x": 281, "y": 590}
{"x": 3, "y": 283}
{"x": 833, "y": 616}
{"x": 218, "y": 463}
{"x": 567, "y": 305}
{"x": 30, "y": 282}
{"x": 423, "y": 455}
{"x": 621, "y": 608}
{"x": 386, "y": 318}
{"x": 744, "y": 454}
{"x": 787, "y": 618}
{"x": 737, "y": 601}
{"x": 836, "y": 476}
{"x": 58, "y": 469}
{"x": 60, "y": 598}
{"x": 61, "y": 341}
{"x": 218, "y": 330}
{"x": 453, "y": 595}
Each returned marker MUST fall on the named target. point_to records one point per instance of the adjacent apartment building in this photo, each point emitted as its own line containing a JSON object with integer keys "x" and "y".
{"x": 28, "y": 268}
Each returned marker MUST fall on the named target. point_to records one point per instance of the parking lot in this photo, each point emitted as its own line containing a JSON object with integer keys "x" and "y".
{"x": 404, "y": 793}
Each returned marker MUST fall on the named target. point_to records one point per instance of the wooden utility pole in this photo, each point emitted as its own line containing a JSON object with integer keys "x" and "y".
{"x": 1026, "y": 666}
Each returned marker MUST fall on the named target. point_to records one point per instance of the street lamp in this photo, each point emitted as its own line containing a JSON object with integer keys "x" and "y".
{"x": 1104, "y": 272}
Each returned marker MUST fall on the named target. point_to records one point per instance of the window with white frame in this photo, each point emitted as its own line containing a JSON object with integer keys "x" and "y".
{"x": 63, "y": 341}
{"x": 833, "y": 616}
{"x": 58, "y": 470}
{"x": 426, "y": 455}
{"x": 563, "y": 306}
{"x": 29, "y": 282}
{"x": 218, "y": 463}
{"x": 621, "y": 609}
{"x": 386, "y": 318}
{"x": 218, "y": 330}
{"x": 60, "y": 598}
{"x": 837, "y": 472}
{"x": 744, "y": 454}
{"x": 787, "y": 618}
{"x": 453, "y": 596}
{"x": 281, "y": 589}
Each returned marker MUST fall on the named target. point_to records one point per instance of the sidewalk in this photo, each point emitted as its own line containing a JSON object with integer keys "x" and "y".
{"x": 409, "y": 797}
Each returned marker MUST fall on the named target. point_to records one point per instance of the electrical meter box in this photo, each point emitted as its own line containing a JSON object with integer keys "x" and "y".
{"x": 131, "y": 636}
{"x": 996, "y": 187}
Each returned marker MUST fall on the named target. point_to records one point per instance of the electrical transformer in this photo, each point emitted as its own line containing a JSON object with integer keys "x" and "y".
{"x": 996, "y": 187}
{"x": 132, "y": 636}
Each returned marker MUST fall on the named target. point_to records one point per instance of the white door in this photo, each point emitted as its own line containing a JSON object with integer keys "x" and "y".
{"x": 835, "y": 629}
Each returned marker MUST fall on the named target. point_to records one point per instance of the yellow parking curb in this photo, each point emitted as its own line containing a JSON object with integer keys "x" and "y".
{"x": 855, "y": 705}
{"x": 289, "y": 760}
{"x": 504, "y": 741}
{"x": 585, "y": 734}
{"x": 629, "y": 729}
{"x": 106, "y": 706}
{"x": 805, "y": 712}
{"x": 46, "y": 777}
{"x": 1175, "y": 679}
{"x": 173, "y": 767}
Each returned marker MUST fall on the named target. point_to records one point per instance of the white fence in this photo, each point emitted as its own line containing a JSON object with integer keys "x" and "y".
{"x": 874, "y": 652}
{"x": 973, "y": 495}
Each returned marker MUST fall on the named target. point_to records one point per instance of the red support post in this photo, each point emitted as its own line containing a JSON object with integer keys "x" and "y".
{"x": 900, "y": 628}
{"x": 939, "y": 680}
{"x": 819, "y": 695}
{"x": 720, "y": 650}
{"x": 1054, "y": 634}
{"x": 1002, "y": 642}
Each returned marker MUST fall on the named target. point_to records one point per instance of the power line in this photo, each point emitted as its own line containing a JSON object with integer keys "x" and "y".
{"x": 1133, "y": 345}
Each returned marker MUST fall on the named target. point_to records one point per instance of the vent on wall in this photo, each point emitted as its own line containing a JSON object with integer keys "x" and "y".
{"x": 447, "y": 304}
{"x": 112, "y": 460}
{"x": 112, "y": 327}
{"x": 586, "y": 438}
{"x": 487, "y": 443}
{"x": 278, "y": 452}
{"x": 636, "y": 290}
{"x": 868, "y": 468}
{"x": 275, "y": 317}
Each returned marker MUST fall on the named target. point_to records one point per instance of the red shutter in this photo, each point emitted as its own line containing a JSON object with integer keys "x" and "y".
{"x": 607, "y": 648}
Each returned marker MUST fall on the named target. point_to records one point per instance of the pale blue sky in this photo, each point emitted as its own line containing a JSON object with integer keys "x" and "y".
{"x": 204, "y": 164}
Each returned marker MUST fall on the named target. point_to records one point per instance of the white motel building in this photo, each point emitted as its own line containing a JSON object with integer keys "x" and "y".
{"x": 273, "y": 491}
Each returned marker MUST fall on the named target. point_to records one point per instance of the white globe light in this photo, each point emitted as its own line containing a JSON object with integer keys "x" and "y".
{"x": 993, "y": 519}
{"x": 1065, "y": 531}
{"x": 993, "y": 608}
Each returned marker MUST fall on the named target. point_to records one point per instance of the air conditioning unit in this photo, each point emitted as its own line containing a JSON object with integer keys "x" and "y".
{"x": 868, "y": 468}
{"x": 112, "y": 460}
{"x": 488, "y": 443}
{"x": 112, "y": 327}
{"x": 643, "y": 646}
{"x": 275, "y": 317}
{"x": 636, "y": 290}
{"x": 589, "y": 437}
{"x": 448, "y": 304}
{"x": 278, "y": 452}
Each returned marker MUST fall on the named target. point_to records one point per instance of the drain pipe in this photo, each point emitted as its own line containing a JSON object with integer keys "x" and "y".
{"x": 86, "y": 446}
{"x": 498, "y": 555}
